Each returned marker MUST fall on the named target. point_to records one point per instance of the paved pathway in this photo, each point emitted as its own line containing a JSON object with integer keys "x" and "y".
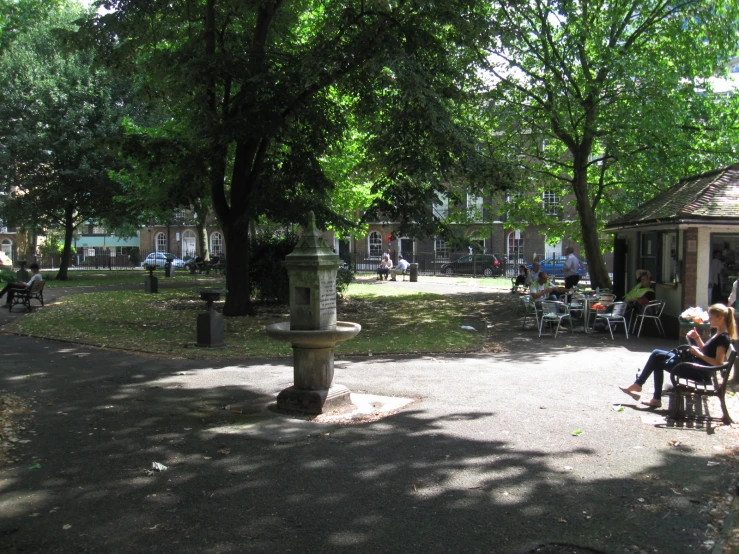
{"x": 524, "y": 450}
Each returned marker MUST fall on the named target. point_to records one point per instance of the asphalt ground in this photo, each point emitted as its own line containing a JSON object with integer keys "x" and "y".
{"x": 526, "y": 446}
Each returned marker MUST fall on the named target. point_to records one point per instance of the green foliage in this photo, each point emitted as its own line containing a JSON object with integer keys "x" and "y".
{"x": 134, "y": 256}
{"x": 52, "y": 246}
{"x": 60, "y": 119}
{"x": 344, "y": 278}
{"x": 267, "y": 278}
{"x": 287, "y": 107}
{"x": 6, "y": 276}
{"x": 609, "y": 102}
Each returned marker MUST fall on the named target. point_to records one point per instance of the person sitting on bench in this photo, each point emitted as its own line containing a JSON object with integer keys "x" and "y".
{"x": 13, "y": 286}
{"x": 401, "y": 268}
{"x": 383, "y": 270}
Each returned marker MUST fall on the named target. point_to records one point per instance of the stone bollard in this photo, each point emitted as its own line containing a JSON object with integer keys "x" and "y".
{"x": 414, "y": 273}
{"x": 210, "y": 323}
{"x": 151, "y": 283}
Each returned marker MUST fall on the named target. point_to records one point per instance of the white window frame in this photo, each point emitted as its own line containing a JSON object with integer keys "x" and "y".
{"x": 216, "y": 243}
{"x": 516, "y": 254}
{"x": 160, "y": 242}
{"x": 551, "y": 201}
{"x": 441, "y": 248}
{"x": 374, "y": 245}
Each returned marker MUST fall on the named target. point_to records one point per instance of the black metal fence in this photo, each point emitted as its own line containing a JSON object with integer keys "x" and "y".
{"x": 95, "y": 258}
{"x": 435, "y": 263}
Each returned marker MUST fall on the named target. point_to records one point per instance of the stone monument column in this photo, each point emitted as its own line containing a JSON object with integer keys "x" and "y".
{"x": 313, "y": 329}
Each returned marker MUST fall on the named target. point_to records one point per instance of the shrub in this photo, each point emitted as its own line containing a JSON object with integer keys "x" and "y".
{"x": 134, "y": 256}
{"x": 6, "y": 276}
{"x": 267, "y": 278}
{"x": 344, "y": 277}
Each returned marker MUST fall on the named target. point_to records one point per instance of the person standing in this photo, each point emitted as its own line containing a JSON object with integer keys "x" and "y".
{"x": 715, "y": 277}
{"x": 571, "y": 269}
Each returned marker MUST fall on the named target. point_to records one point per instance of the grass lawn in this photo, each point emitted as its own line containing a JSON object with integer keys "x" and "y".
{"x": 393, "y": 321}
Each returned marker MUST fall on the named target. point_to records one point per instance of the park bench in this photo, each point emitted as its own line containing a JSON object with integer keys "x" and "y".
{"x": 714, "y": 385}
{"x": 35, "y": 292}
{"x": 219, "y": 266}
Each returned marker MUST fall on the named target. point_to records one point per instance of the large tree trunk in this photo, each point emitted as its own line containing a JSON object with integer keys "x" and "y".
{"x": 589, "y": 226}
{"x": 238, "y": 300}
{"x": 68, "y": 238}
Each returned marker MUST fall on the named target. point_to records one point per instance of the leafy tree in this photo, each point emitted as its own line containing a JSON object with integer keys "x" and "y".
{"x": 610, "y": 101}
{"x": 60, "y": 117}
{"x": 278, "y": 90}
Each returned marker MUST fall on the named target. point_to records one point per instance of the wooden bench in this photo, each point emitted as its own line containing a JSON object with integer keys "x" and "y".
{"x": 24, "y": 296}
{"x": 714, "y": 385}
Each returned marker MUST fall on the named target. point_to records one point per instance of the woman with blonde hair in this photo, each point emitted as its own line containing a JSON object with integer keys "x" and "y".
{"x": 711, "y": 353}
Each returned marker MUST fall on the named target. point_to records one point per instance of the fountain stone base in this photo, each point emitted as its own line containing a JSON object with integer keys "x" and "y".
{"x": 313, "y": 368}
{"x": 293, "y": 399}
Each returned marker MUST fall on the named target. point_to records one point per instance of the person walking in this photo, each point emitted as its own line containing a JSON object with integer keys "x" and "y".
{"x": 571, "y": 269}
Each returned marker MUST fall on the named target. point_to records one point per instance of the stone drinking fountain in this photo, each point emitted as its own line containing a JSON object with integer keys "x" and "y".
{"x": 313, "y": 330}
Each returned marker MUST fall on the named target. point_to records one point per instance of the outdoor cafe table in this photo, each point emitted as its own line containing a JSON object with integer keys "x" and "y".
{"x": 586, "y": 305}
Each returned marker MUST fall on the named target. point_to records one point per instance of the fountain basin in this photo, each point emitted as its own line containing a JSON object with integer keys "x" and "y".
{"x": 321, "y": 338}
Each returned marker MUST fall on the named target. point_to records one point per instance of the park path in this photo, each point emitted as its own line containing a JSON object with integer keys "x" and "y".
{"x": 530, "y": 448}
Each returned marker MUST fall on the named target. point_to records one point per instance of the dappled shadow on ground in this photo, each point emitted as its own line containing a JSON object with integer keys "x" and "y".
{"x": 418, "y": 481}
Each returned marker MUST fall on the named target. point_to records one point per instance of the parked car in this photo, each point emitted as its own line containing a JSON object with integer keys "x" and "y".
{"x": 158, "y": 259}
{"x": 488, "y": 265}
{"x": 5, "y": 261}
{"x": 554, "y": 265}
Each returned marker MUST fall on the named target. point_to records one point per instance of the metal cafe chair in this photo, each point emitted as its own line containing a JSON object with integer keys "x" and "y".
{"x": 552, "y": 312}
{"x": 652, "y": 311}
{"x": 615, "y": 317}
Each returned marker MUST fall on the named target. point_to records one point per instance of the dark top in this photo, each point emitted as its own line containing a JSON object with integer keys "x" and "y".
{"x": 711, "y": 345}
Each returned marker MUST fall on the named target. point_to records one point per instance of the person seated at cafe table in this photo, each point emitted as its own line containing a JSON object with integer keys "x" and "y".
{"x": 521, "y": 278}
{"x": 543, "y": 289}
{"x": 640, "y": 295}
{"x": 533, "y": 275}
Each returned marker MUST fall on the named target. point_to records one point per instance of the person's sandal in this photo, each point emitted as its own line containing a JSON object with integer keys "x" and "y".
{"x": 653, "y": 403}
{"x": 634, "y": 395}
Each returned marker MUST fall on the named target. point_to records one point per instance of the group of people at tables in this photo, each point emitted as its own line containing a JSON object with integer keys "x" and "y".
{"x": 539, "y": 286}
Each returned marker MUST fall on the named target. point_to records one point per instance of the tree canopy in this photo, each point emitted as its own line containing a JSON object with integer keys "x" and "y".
{"x": 609, "y": 101}
{"x": 279, "y": 91}
{"x": 60, "y": 117}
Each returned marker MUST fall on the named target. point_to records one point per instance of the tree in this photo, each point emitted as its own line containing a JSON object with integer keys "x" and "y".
{"x": 60, "y": 119}
{"x": 273, "y": 89}
{"x": 610, "y": 101}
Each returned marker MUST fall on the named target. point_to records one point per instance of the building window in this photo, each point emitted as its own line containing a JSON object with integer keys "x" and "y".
{"x": 474, "y": 207}
{"x": 7, "y": 248}
{"x": 160, "y": 242}
{"x": 477, "y": 244}
{"x": 515, "y": 247}
{"x": 188, "y": 244}
{"x": 216, "y": 243}
{"x": 551, "y": 201}
{"x": 374, "y": 242}
{"x": 441, "y": 248}
{"x": 441, "y": 209}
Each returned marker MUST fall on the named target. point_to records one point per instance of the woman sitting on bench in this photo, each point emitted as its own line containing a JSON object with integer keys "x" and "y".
{"x": 712, "y": 353}
{"x": 13, "y": 286}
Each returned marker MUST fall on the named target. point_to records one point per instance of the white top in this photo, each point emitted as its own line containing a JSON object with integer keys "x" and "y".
{"x": 717, "y": 266}
{"x": 402, "y": 264}
{"x": 35, "y": 277}
{"x": 572, "y": 265}
{"x": 732, "y": 296}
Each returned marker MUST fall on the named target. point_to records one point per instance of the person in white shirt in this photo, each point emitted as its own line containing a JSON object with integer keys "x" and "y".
{"x": 715, "y": 276}
{"x": 400, "y": 268}
{"x": 13, "y": 286}
{"x": 383, "y": 269}
{"x": 571, "y": 268}
{"x": 533, "y": 275}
